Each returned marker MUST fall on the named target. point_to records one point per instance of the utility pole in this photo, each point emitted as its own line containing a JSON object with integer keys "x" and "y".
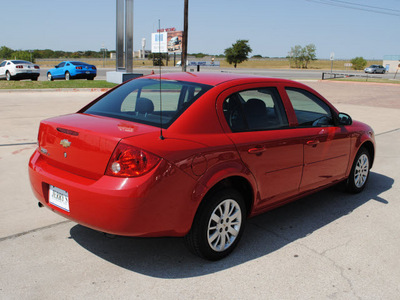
{"x": 185, "y": 36}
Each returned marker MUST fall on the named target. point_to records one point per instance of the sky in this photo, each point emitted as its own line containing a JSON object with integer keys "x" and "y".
{"x": 348, "y": 28}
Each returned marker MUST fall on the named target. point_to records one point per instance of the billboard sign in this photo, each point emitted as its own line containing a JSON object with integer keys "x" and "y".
{"x": 168, "y": 40}
{"x": 159, "y": 42}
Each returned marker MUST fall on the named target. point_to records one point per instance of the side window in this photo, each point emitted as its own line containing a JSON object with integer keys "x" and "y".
{"x": 257, "y": 109}
{"x": 61, "y": 65}
{"x": 310, "y": 110}
{"x": 3, "y": 64}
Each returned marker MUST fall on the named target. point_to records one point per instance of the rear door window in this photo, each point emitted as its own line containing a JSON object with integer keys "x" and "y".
{"x": 255, "y": 109}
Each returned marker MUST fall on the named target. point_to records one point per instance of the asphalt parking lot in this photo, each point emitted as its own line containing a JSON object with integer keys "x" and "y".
{"x": 330, "y": 245}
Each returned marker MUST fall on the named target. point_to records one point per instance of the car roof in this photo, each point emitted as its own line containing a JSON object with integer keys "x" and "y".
{"x": 213, "y": 78}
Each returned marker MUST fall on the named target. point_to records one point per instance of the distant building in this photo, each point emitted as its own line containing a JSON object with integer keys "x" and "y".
{"x": 391, "y": 63}
{"x": 136, "y": 54}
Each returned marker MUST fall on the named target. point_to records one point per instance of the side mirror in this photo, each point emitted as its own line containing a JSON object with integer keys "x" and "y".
{"x": 56, "y": 66}
{"x": 345, "y": 119}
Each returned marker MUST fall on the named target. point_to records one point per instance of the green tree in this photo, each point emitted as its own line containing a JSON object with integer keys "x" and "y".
{"x": 22, "y": 55}
{"x": 5, "y": 52}
{"x": 300, "y": 56}
{"x": 295, "y": 56}
{"x": 309, "y": 54}
{"x": 238, "y": 53}
{"x": 359, "y": 63}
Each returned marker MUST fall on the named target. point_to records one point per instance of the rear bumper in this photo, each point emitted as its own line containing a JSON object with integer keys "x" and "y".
{"x": 25, "y": 75}
{"x": 156, "y": 204}
{"x": 81, "y": 74}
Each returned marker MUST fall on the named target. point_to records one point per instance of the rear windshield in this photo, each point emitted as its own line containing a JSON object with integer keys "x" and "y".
{"x": 20, "y": 62}
{"x": 139, "y": 101}
{"x": 78, "y": 63}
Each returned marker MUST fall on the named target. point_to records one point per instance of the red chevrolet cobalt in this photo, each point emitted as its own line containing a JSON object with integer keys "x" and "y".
{"x": 195, "y": 155}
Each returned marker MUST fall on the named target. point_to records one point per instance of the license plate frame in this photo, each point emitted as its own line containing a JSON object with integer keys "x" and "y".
{"x": 59, "y": 198}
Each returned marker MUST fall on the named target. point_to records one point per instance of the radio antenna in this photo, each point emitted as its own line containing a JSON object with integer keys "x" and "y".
{"x": 159, "y": 63}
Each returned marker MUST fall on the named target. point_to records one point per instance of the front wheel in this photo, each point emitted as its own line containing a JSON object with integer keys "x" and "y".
{"x": 67, "y": 76}
{"x": 359, "y": 172}
{"x": 218, "y": 225}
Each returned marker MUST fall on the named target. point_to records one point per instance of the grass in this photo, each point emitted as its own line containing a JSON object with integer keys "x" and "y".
{"x": 62, "y": 84}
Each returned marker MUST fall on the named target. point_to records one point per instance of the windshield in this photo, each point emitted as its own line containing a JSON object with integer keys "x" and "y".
{"x": 139, "y": 101}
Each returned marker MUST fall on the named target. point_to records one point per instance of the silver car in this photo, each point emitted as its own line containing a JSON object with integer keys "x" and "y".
{"x": 375, "y": 69}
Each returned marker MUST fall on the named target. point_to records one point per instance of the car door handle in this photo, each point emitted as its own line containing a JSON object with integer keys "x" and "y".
{"x": 312, "y": 143}
{"x": 257, "y": 150}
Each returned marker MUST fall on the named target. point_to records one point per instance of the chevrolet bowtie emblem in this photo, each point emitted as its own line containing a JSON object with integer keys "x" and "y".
{"x": 65, "y": 143}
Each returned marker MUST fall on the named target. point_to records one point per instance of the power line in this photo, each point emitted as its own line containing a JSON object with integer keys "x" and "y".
{"x": 356, "y": 6}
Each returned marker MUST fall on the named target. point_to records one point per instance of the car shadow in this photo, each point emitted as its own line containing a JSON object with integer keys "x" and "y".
{"x": 264, "y": 234}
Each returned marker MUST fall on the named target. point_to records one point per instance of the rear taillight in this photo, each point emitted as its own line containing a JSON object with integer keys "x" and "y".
{"x": 19, "y": 67}
{"x": 78, "y": 68}
{"x": 129, "y": 161}
{"x": 93, "y": 68}
{"x": 37, "y": 67}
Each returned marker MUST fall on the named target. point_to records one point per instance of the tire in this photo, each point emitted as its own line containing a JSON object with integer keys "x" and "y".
{"x": 35, "y": 78}
{"x": 49, "y": 77}
{"x": 218, "y": 225}
{"x": 90, "y": 78}
{"x": 383, "y": 72}
{"x": 359, "y": 172}
{"x": 8, "y": 76}
{"x": 67, "y": 76}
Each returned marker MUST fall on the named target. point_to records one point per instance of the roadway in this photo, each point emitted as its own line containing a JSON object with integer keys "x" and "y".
{"x": 277, "y": 73}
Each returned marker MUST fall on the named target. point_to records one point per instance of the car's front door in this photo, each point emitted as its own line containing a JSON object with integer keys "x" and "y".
{"x": 59, "y": 71}
{"x": 267, "y": 146}
{"x": 3, "y": 69}
{"x": 326, "y": 146}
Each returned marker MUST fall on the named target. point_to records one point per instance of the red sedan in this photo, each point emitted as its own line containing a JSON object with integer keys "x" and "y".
{"x": 195, "y": 155}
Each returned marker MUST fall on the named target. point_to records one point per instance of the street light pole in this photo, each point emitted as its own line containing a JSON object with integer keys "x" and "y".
{"x": 185, "y": 36}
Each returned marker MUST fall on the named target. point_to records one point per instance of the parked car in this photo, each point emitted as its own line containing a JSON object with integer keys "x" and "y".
{"x": 375, "y": 69}
{"x": 223, "y": 148}
{"x": 72, "y": 70}
{"x": 19, "y": 69}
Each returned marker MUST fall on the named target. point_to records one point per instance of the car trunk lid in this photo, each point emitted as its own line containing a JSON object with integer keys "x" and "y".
{"x": 83, "y": 144}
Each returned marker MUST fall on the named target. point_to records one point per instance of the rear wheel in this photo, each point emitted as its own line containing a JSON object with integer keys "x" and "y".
{"x": 218, "y": 225}
{"x": 67, "y": 76}
{"x": 359, "y": 172}
{"x": 35, "y": 78}
{"x": 49, "y": 77}
{"x": 8, "y": 76}
{"x": 90, "y": 78}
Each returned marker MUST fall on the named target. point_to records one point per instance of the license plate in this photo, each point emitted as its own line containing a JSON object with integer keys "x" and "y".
{"x": 28, "y": 71}
{"x": 59, "y": 198}
{"x": 87, "y": 72}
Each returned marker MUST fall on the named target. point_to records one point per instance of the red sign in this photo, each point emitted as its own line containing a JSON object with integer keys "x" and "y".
{"x": 166, "y": 29}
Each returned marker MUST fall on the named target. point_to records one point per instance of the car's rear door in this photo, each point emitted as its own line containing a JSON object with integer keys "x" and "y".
{"x": 260, "y": 130}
